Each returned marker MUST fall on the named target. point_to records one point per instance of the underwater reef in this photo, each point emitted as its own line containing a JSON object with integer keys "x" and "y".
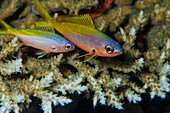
{"x": 140, "y": 26}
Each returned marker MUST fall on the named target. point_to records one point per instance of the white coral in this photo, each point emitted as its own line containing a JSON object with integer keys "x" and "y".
{"x": 132, "y": 96}
{"x": 45, "y": 82}
{"x": 141, "y": 18}
{"x": 12, "y": 66}
{"x": 168, "y": 44}
{"x": 49, "y": 98}
{"x": 114, "y": 100}
{"x": 163, "y": 86}
{"x": 165, "y": 69}
{"x": 71, "y": 86}
{"x": 164, "y": 80}
{"x": 132, "y": 31}
{"x": 139, "y": 64}
{"x": 8, "y": 106}
{"x": 99, "y": 96}
{"x": 157, "y": 91}
{"x": 9, "y": 102}
{"x": 117, "y": 81}
{"x": 164, "y": 83}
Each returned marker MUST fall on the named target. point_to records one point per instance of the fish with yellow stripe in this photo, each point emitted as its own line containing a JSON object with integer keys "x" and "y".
{"x": 45, "y": 41}
{"x": 81, "y": 32}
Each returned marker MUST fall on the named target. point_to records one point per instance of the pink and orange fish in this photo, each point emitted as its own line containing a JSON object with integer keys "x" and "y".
{"x": 81, "y": 32}
{"x": 43, "y": 40}
{"x": 98, "y": 10}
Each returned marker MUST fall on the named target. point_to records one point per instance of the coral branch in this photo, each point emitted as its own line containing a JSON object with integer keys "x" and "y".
{"x": 11, "y": 66}
{"x": 12, "y": 46}
{"x": 5, "y": 12}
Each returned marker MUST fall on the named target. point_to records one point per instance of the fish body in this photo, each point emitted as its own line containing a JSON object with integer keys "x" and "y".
{"x": 89, "y": 39}
{"x": 81, "y": 32}
{"x": 46, "y": 41}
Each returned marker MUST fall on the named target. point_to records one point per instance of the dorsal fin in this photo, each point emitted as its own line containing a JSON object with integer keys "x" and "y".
{"x": 77, "y": 19}
{"x": 40, "y": 25}
{"x": 43, "y": 10}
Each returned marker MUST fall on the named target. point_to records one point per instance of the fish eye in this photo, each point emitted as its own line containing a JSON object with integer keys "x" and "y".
{"x": 53, "y": 47}
{"x": 68, "y": 46}
{"x": 93, "y": 50}
{"x": 109, "y": 49}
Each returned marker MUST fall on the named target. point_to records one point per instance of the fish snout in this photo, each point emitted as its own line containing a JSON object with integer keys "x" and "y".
{"x": 118, "y": 49}
{"x": 118, "y": 52}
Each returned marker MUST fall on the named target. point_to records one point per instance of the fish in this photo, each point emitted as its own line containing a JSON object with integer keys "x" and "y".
{"x": 80, "y": 30}
{"x": 94, "y": 12}
{"x": 47, "y": 42}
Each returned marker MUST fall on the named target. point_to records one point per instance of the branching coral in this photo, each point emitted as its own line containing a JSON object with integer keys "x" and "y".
{"x": 11, "y": 66}
{"x": 142, "y": 68}
{"x": 12, "y": 46}
{"x": 8, "y": 10}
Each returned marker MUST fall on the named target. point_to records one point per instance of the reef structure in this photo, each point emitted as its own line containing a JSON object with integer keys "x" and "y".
{"x": 141, "y": 27}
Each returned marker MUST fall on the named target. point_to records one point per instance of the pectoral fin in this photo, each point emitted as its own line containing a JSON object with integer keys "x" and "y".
{"x": 88, "y": 56}
{"x": 41, "y": 53}
{"x": 84, "y": 55}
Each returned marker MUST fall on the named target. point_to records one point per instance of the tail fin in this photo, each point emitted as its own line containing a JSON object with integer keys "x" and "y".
{"x": 6, "y": 26}
{"x": 4, "y": 32}
{"x": 43, "y": 10}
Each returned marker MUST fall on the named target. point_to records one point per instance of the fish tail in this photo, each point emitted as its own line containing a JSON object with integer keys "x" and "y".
{"x": 4, "y": 32}
{"x": 43, "y": 10}
{"x": 8, "y": 28}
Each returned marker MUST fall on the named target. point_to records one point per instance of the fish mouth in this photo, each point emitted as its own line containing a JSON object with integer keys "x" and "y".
{"x": 121, "y": 51}
{"x": 118, "y": 53}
